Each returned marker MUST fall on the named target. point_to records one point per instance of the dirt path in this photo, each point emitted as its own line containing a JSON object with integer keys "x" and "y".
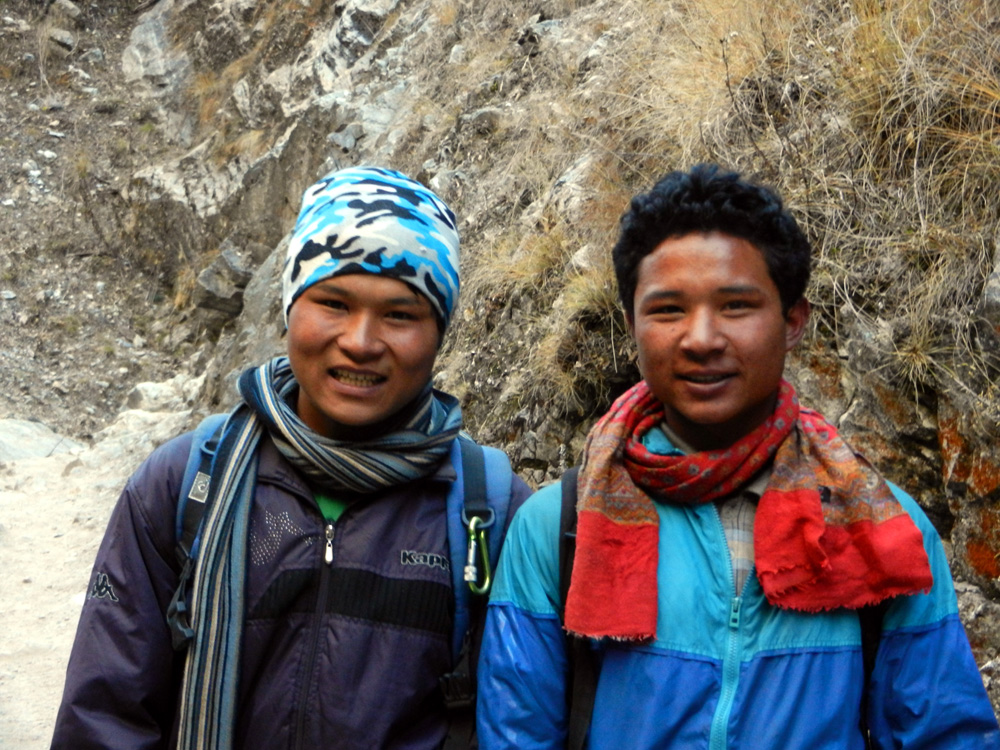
{"x": 52, "y": 516}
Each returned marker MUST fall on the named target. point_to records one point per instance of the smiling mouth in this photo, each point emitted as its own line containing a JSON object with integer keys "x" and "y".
{"x": 357, "y": 379}
{"x": 706, "y": 379}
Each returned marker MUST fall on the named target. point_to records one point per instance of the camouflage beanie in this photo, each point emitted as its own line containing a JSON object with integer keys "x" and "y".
{"x": 374, "y": 221}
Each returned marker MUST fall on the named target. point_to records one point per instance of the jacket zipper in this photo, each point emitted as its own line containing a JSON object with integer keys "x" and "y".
{"x": 317, "y": 630}
{"x": 328, "y": 533}
{"x": 718, "y": 739}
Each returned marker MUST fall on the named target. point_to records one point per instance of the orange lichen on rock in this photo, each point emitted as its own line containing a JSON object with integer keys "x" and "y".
{"x": 984, "y": 476}
{"x": 983, "y": 549}
{"x": 983, "y": 559}
{"x": 894, "y": 406}
{"x": 825, "y": 365}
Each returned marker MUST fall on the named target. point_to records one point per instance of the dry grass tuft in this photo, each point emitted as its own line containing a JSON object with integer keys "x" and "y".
{"x": 251, "y": 144}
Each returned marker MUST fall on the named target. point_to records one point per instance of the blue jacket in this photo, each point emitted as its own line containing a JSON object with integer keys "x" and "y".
{"x": 725, "y": 671}
{"x": 346, "y": 654}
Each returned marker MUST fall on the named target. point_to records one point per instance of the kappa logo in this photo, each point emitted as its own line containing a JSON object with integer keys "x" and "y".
{"x": 431, "y": 560}
{"x": 102, "y": 588}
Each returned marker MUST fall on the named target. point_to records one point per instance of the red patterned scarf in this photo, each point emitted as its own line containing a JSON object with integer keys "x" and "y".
{"x": 828, "y": 531}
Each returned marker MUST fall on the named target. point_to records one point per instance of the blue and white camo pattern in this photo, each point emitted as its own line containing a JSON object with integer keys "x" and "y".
{"x": 375, "y": 221}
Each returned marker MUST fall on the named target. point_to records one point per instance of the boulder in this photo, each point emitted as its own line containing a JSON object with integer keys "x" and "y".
{"x": 62, "y": 42}
{"x": 151, "y": 57}
{"x": 68, "y": 10}
{"x": 20, "y": 438}
{"x": 176, "y": 394}
{"x": 220, "y": 286}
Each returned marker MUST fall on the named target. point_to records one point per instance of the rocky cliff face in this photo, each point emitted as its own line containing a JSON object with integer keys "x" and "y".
{"x": 154, "y": 154}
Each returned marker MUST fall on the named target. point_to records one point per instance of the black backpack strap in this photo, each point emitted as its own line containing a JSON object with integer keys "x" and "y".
{"x": 476, "y": 505}
{"x": 459, "y": 685}
{"x": 581, "y": 677}
{"x": 567, "y": 536}
{"x": 474, "y": 480}
{"x": 871, "y": 618}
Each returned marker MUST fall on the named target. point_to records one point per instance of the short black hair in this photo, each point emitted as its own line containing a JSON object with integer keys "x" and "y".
{"x": 709, "y": 199}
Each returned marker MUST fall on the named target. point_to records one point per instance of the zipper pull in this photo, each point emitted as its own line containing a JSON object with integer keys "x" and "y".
{"x": 734, "y": 613}
{"x": 328, "y": 557}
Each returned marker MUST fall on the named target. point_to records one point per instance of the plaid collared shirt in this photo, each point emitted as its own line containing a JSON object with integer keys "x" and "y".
{"x": 737, "y": 515}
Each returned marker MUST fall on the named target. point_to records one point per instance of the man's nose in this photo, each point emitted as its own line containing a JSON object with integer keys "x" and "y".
{"x": 703, "y": 335}
{"x": 361, "y": 337}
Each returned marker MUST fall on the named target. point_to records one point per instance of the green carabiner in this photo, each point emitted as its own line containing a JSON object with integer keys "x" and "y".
{"x": 477, "y": 538}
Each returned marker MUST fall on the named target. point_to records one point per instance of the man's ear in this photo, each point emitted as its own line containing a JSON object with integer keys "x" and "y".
{"x": 795, "y": 323}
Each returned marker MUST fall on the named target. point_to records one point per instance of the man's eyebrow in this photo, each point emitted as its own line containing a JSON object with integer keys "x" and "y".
{"x": 668, "y": 294}
{"x": 741, "y": 289}
{"x": 414, "y": 300}
{"x": 662, "y": 294}
{"x": 331, "y": 287}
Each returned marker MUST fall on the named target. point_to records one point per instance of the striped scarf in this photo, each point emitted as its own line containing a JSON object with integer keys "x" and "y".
{"x": 828, "y": 531}
{"x": 411, "y": 451}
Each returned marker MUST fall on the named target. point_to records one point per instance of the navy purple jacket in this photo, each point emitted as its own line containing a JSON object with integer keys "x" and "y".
{"x": 346, "y": 654}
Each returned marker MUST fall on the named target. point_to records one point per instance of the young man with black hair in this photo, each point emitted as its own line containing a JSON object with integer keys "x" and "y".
{"x": 727, "y": 538}
{"x": 326, "y": 591}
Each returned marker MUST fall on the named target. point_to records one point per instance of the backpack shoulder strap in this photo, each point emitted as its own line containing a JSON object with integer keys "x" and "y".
{"x": 567, "y": 535}
{"x": 581, "y": 687}
{"x": 194, "y": 487}
{"x": 187, "y": 524}
{"x": 871, "y": 618}
{"x": 481, "y": 490}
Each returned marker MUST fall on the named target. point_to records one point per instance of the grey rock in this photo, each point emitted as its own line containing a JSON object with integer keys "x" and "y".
{"x": 220, "y": 286}
{"x": 63, "y": 41}
{"x": 570, "y": 194}
{"x": 242, "y": 98}
{"x": 152, "y": 57}
{"x": 485, "y": 121}
{"x": 17, "y": 24}
{"x": 260, "y": 330}
{"x": 93, "y": 56}
{"x": 174, "y": 395}
{"x": 585, "y": 258}
{"x": 346, "y": 137}
{"x": 360, "y": 22}
{"x": 257, "y": 252}
{"x": 69, "y": 10}
{"x": 448, "y": 183}
{"x": 20, "y": 439}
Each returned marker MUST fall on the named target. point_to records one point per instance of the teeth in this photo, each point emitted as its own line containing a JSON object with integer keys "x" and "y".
{"x": 353, "y": 378}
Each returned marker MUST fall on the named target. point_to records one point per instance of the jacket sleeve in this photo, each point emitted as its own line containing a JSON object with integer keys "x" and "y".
{"x": 926, "y": 691}
{"x": 123, "y": 675}
{"x": 522, "y": 669}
